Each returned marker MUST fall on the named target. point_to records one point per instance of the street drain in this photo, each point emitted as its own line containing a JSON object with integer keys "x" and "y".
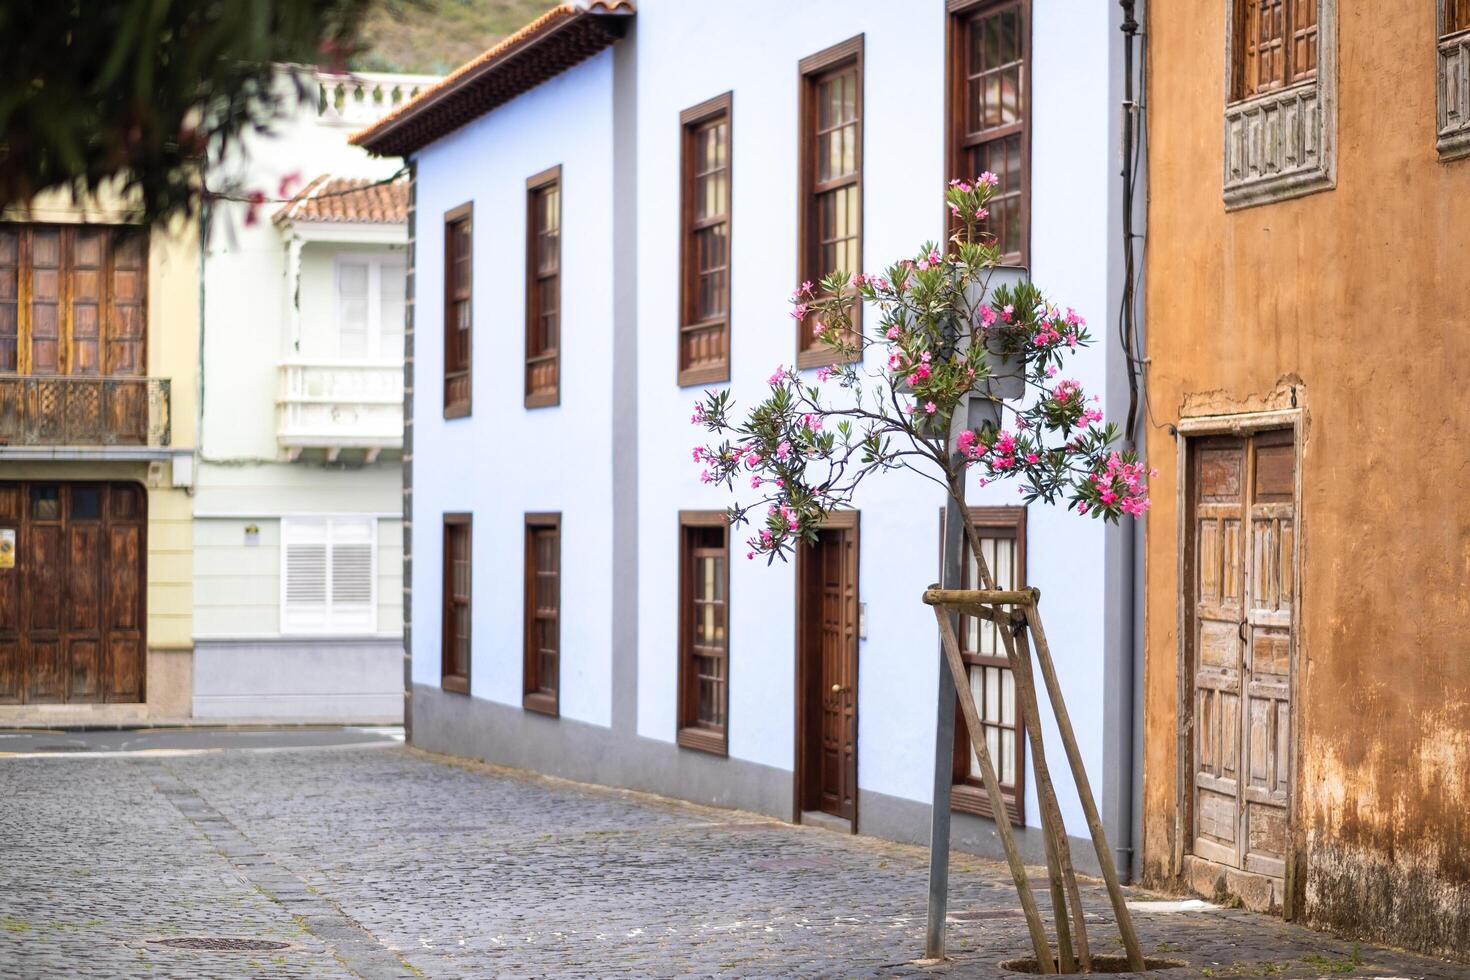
{"x": 221, "y": 944}
{"x": 1105, "y": 963}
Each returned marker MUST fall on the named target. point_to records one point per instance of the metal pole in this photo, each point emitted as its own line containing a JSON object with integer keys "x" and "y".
{"x": 943, "y": 752}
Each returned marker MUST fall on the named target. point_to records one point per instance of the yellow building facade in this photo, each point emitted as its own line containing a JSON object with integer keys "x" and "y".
{"x": 99, "y": 353}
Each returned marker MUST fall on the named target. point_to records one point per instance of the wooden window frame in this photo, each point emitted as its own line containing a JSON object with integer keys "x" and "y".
{"x": 810, "y": 70}
{"x": 331, "y": 609}
{"x": 689, "y": 733}
{"x": 455, "y": 683}
{"x": 967, "y": 795}
{"x": 535, "y": 186}
{"x": 24, "y": 272}
{"x": 535, "y": 695}
{"x": 956, "y": 96}
{"x": 1242, "y": 34}
{"x": 458, "y": 408}
{"x": 691, "y": 120}
{"x": 1451, "y": 74}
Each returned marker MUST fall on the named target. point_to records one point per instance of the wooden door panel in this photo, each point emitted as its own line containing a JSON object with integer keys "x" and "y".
{"x": 12, "y": 674}
{"x": 124, "y": 669}
{"x": 45, "y": 565}
{"x": 1243, "y": 559}
{"x": 84, "y": 578}
{"x": 45, "y": 305}
{"x": 84, "y": 658}
{"x": 46, "y": 671}
{"x": 125, "y": 581}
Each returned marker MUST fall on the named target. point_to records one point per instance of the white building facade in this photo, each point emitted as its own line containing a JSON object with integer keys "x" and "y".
{"x": 577, "y": 606}
{"x": 297, "y": 508}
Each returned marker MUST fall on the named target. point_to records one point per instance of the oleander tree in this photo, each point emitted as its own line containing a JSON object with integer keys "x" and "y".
{"x": 897, "y": 398}
{"x": 962, "y": 378}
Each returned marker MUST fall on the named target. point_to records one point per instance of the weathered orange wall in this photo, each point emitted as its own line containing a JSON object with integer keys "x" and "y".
{"x": 1360, "y": 296}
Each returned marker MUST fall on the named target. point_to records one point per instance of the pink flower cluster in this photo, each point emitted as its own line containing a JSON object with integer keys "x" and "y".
{"x": 1121, "y": 483}
{"x": 1056, "y": 328}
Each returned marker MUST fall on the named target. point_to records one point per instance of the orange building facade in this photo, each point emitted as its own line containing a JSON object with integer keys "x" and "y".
{"x": 1307, "y": 626}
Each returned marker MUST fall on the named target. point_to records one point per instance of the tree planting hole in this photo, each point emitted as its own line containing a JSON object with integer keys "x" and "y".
{"x": 222, "y": 944}
{"x": 1100, "y": 964}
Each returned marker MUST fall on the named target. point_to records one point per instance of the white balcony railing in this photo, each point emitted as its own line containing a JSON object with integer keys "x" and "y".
{"x": 362, "y": 98}
{"x": 335, "y": 406}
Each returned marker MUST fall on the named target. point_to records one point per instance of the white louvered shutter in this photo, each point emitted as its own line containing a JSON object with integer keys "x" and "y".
{"x": 329, "y": 567}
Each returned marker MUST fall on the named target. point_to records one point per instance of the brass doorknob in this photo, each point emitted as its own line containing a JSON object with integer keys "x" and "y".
{"x": 836, "y": 688}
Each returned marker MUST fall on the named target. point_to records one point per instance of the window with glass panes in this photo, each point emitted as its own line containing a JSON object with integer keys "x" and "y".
{"x": 1275, "y": 44}
{"x": 543, "y": 613}
{"x": 704, "y": 330}
{"x": 704, "y": 677}
{"x": 455, "y": 612}
{"x": 831, "y": 175}
{"x": 1002, "y": 538}
{"x": 990, "y": 45}
{"x": 543, "y": 289}
{"x": 458, "y": 309}
{"x": 370, "y": 302}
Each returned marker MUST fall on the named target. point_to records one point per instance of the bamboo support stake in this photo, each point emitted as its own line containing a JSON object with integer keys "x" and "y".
{"x": 1054, "y": 828}
{"x": 1034, "y": 925}
{"x": 987, "y": 597}
{"x": 1084, "y": 790}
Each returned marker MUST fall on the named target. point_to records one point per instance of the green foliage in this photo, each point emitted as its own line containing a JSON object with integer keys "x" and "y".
{"x": 146, "y": 91}
{"x": 435, "y": 36}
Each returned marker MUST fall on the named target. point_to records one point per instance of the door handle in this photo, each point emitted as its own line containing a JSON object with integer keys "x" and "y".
{"x": 1242, "y": 631}
{"x": 836, "y": 688}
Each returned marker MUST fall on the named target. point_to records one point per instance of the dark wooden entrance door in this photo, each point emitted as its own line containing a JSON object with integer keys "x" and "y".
{"x": 72, "y": 605}
{"x": 827, "y": 722}
{"x": 1241, "y": 577}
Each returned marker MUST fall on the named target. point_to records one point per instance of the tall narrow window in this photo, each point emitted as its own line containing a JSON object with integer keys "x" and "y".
{"x": 1275, "y": 44}
{"x": 329, "y": 575}
{"x": 458, "y": 309}
{"x": 455, "y": 664}
{"x": 543, "y": 289}
{"x": 370, "y": 303}
{"x": 704, "y": 617}
{"x": 704, "y": 329}
{"x": 1002, "y": 538}
{"x": 543, "y": 613}
{"x": 831, "y": 169}
{"x": 989, "y": 111}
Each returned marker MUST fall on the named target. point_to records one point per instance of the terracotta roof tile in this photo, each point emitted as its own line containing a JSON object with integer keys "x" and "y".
{"x": 572, "y": 32}
{"x": 353, "y": 200}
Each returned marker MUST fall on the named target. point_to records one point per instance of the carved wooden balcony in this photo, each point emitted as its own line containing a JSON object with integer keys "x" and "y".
{"x": 83, "y": 411}
{"x": 334, "y": 406}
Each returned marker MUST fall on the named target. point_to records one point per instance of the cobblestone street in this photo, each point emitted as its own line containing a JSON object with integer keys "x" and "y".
{"x": 380, "y": 861}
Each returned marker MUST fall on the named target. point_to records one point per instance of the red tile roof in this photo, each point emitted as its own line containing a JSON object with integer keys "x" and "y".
{"x": 355, "y": 200}
{"x": 557, "y": 40}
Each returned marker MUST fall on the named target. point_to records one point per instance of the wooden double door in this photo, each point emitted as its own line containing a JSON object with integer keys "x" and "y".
{"x": 1240, "y": 579}
{"x": 827, "y": 670}
{"x": 72, "y": 610}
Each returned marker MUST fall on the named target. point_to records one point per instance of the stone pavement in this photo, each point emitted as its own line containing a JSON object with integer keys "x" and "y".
{"x": 384, "y": 861}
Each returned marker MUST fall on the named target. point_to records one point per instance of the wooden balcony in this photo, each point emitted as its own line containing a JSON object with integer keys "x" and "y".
{"x": 333, "y": 406}
{"x": 73, "y": 411}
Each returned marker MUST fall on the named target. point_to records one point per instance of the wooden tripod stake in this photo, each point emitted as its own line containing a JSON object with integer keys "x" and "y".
{"x": 988, "y": 604}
